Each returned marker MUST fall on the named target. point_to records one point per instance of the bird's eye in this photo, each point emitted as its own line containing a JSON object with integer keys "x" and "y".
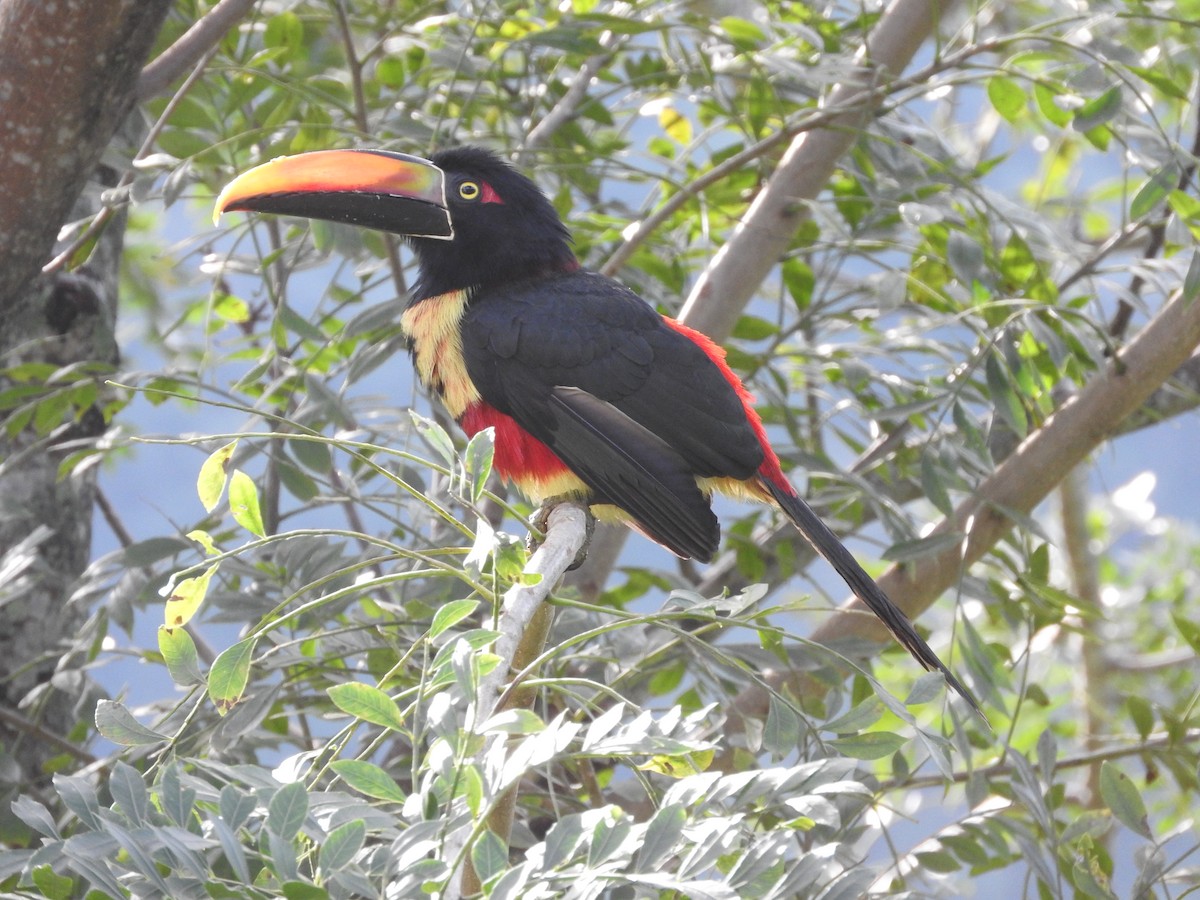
{"x": 468, "y": 190}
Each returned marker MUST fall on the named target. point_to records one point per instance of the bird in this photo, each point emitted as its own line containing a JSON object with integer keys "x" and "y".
{"x": 592, "y": 394}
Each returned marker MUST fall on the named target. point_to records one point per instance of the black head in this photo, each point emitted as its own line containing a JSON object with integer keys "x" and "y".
{"x": 472, "y": 219}
{"x": 505, "y": 229}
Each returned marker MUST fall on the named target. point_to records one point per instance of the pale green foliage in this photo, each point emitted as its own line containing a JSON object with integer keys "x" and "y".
{"x": 959, "y": 270}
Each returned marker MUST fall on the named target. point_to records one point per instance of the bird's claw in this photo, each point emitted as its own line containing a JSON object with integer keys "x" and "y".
{"x": 541, "y": 520}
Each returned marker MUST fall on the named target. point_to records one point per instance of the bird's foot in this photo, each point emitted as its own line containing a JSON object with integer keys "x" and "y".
{"x": 541, "y": 519}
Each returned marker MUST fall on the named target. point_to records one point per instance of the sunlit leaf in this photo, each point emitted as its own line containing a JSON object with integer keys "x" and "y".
{"x": 1007, "y": 97}
{"x": 677, "y": 126}
{"x": 450, "y": 614}
{"x": 368, "y": 778}
{"x": 186, "y": 597}
{"x": 366, "y": 702}
{"x": 230, "y": 673}
{"x": 211, "y": 481}
{"x": 243, "y": 503}
{"x": 179, "y": 653}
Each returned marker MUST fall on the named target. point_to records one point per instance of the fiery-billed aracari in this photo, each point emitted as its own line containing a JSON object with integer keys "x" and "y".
{"x": 592, "y": 393}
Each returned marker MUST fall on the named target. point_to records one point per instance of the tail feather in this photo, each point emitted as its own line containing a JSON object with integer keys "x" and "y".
{"x": 863, "y": 585}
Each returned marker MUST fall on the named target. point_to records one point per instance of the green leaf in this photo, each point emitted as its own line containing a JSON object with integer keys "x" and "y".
{"x": 211, "y": 481}
{"x": 1044, "y": 94}
{"x": 129, "y": 792}
{"x": 341, "y": 845}
{"x": 478, "y": 461}
{"x": 918, "y": 548}
{"x": 450, "y": 614}
{"x": 781, "y": 734}
{"x": 754, "y": 328}
{"x": 230, "y": 673}
{"x": 1007, "y": 97}
{"x": 179, "y": 653}
{"x": 872, "y": 745}
{"x": 933, "y": 484}
{"x": 1191, "y": 281}
{"x": 243, "y": 503}
{"x": 287, "y": 809}
{"x": 368, "y": 778}
{"x": 1152, "y": 193}
{"x": 742, "y": 32}
{"x": 489, "y": 855}
{"x": 302, "y": 890}
{"x": 186, "y": 598}
{"x": 1188, "y": 630}
{"x": 1005, "y": 400}
{"x": 662, "y": 837}
{"x": 390, "y": 72}
{"x": 608, "y": 837}
{"x": 51, "y": 885}
{"x": 1098, "y": 110}
{"x": 1142, "y": 714}
{"x": 1176, "y": 89}
{"x": 937, "y": 861}
{"x": 230, "y": 308}
{"x": 368, "y": 703}
{"x": 1120, "y": 796}
{"x": 284, "y": 29}
{"x": 205, "y": 540}
{"x": 313, "y": 455}
{"x": 862, "y": 715}
{"x": 435, "y": 436}
{"x": 117, "y": 723}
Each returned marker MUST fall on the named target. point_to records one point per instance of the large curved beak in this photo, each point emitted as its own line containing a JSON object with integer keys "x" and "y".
{"x": 372, "y": 188}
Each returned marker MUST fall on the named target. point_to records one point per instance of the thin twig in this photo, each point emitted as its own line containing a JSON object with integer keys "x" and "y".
{"x": 18, "y": 723}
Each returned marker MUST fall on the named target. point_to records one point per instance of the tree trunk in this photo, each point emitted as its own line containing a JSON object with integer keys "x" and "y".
{"x": 68, "y": 72}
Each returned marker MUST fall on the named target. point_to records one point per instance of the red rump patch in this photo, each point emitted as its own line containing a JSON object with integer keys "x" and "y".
{"x": 519, "y": 455}
{"x": 770, "y": 468}
{"x": 488, "y": 195}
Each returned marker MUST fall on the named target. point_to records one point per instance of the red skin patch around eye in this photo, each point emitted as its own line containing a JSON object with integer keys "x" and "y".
{"x": 487, "y": 195}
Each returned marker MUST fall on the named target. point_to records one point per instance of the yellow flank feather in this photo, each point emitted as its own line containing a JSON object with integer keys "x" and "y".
{"x": 539, "y": 488}
{"x": 433, "y": 327}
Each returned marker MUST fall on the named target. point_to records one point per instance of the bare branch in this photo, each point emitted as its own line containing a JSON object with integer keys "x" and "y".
{"x": 565, "y": 533}
{"x": 1039, "y": 464}
{"x": 763, "y": 236}
{"x": 572, "y": 99}
{"x": 191, "y": 47}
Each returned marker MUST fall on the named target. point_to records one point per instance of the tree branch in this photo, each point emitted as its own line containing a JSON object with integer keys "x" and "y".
{"x": 523, "y": 626}
{"x": 191, "y": 47}
{"x": 762, "y": 238}
{"x": 1039, "y": 464}
{"x": 571, "y": 100}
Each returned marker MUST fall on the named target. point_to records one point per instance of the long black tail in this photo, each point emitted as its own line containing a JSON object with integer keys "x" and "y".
{"x": 863, "y": 585}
